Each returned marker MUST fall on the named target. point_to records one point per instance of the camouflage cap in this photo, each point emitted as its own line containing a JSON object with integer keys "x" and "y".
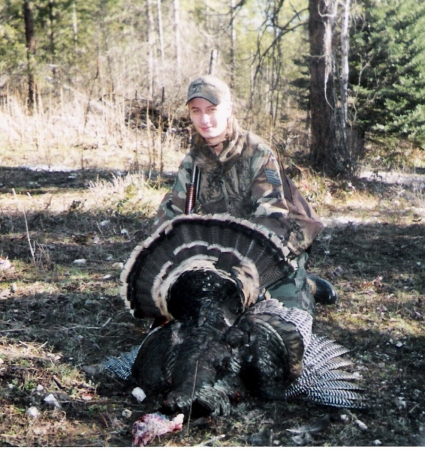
{"x": 209, "y": 88}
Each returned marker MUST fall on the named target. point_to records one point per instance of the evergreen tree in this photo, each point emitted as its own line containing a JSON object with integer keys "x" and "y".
{"x": 387, "y": 73}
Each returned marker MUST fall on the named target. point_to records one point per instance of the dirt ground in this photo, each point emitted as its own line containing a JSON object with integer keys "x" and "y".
{"x": 59, "y": 319}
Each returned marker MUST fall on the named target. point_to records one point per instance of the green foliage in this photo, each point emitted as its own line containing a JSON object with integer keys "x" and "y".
{"x": 12, "y": 37}
{"x": 66, "y": 34}
{"x": 387, "y": 72}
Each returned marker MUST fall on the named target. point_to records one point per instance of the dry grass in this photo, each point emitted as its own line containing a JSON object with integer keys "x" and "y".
{"x": 82, "y": 135}
{"x": 58, "y": 316}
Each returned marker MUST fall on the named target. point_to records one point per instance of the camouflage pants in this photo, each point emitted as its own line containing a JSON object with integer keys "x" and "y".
{"x": 294, "y": 291}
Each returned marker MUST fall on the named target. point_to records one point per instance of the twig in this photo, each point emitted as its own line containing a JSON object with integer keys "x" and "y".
{"x": 191, "y": 399}
{"x": 14, "y": 330}
{"x": 26, "y": 227}
{"x": 57, "y": 381}
{"x": 213, "y": 439}
{"x": 85, "y": 327}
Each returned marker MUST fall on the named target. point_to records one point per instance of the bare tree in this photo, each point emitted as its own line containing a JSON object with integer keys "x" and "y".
{"x": 30, "y": 44}
{"x": 160, "y": 31}
{"x": 176, "y": 26}
{"x": 268, "y": 60}
{"x": 213, "y": 61}
{"x": 232, "y": 43}
{"x": 345, "y": 44}
{"x": 150, "y": 47}
{"x": 74, "y": 26}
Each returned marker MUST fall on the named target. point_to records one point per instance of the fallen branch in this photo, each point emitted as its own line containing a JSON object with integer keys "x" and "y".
{"x": 213, "y": 439}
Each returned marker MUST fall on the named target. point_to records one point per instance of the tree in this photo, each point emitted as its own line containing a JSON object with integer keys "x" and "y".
{"x": 176, "y": 29}
{"x": 30, "y": 44}
{"x": 270, "y": 60}
{"x": 387, "y": 69}
{"x": 332, "y": 141}
{"x": 322, "y": 105}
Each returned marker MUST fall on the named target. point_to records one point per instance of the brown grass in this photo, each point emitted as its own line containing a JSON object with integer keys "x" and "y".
{"x": 58, "y": 317}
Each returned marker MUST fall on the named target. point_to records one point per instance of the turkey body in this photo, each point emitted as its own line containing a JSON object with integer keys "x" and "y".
{"x": 190, "y": 363}
{"x": 204, "y": 363}
{"x": 205, "y": 277}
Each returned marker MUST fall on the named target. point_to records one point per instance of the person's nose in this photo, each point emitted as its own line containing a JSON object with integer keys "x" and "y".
{"x": 205, "y": 119}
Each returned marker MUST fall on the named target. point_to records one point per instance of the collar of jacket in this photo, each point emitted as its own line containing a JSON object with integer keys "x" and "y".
{"x": 206, "y": 159}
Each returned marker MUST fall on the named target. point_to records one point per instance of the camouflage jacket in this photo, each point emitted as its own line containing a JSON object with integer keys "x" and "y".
{"x": 244, "y": 181}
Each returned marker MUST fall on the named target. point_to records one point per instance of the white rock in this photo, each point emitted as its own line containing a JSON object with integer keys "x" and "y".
{"x": 118, "y": 265}
{"x": 126, "y": 413}
{"x": 79, "y": 262}
{"x": 361, "y": 424}
{"x": 139, "y": 394}
{"x": 377, "y": 442}
{"x": 40, "y": 388}
{"x": 51, "y": 400}
{"x": 104, "y": 223}
{"x": 33, "y": 412}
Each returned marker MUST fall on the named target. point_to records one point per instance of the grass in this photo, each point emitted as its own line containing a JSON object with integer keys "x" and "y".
{"x": 60, "y": 319}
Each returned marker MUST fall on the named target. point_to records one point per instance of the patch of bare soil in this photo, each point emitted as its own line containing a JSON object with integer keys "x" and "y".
{"x": 57, "y": 317}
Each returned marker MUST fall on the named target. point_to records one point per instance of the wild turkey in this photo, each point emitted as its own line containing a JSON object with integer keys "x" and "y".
{"x": 205, "y": 277}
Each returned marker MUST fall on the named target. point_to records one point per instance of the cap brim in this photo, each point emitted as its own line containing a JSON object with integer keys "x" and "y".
{"x": 210, "y": 99}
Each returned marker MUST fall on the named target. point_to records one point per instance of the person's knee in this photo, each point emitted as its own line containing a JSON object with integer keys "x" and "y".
{"x": 294, "y": 293}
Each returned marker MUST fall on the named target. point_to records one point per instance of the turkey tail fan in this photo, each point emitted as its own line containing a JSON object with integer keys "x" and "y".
{"x": 322, "y": 381}
{"x": 248, "y": 255}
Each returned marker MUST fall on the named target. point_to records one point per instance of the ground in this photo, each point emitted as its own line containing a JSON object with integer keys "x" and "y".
{"x": 63, "y": 239}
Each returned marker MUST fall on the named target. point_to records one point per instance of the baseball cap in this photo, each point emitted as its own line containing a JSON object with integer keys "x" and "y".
{"x": 209, "y": 88}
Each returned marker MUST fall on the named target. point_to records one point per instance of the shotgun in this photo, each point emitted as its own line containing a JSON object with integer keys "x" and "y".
{"x": 192, "y": 190}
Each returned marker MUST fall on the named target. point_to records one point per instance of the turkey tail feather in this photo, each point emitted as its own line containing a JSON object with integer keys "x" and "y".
{"x": 321, "y": 380}
{"x": 237, "y": 249}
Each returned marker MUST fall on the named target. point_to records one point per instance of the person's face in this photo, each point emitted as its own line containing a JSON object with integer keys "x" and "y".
{"x": 209, "y": 120}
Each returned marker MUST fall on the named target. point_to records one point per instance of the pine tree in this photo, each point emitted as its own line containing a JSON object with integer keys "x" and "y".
{"x": 387, "y": 72}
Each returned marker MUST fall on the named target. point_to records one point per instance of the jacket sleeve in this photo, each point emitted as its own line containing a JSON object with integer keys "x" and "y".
{"x": 174, "y": 202}
{"x": 278, "y": 205}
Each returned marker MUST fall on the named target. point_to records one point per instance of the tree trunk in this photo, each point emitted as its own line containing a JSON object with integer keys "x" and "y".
{"x": 213, "y": 61}
{"x": 176, "y": 26}
{"x": 232, "y": 44}
{"x": 74, "y": 27}
{"x": 52, "y": 33}
{"x": 322, "y": 145}
{"x": 150, "y": 48}
{"x": 30, "y": 44}
{"x": 160, "y": 31}
{"x": 328, "y": 147}
{"x": 345, "y": 43}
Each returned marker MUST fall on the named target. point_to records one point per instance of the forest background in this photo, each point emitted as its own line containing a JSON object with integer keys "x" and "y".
{"x": 328, "y": 75}
{"x": 93, "y": 125}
